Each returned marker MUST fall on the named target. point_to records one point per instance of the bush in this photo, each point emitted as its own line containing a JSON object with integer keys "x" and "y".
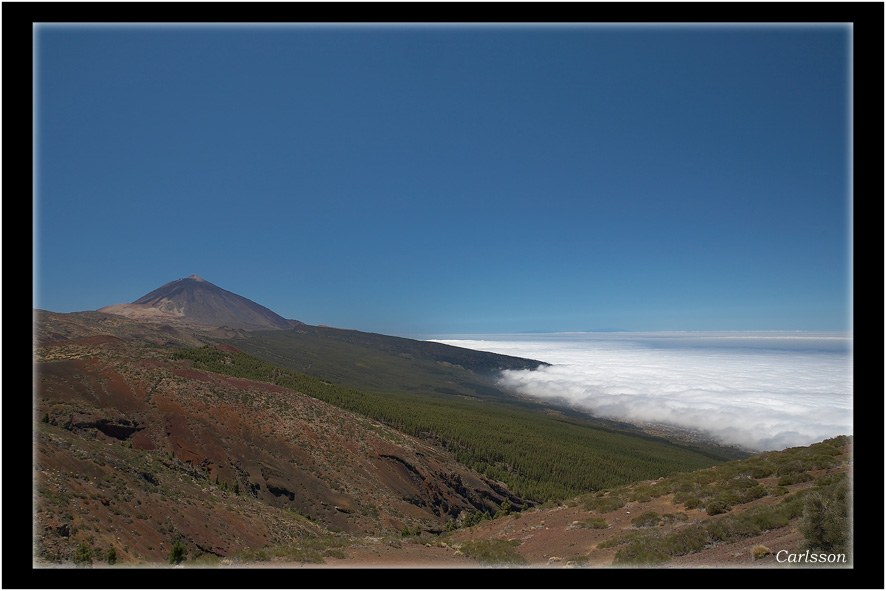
{"x": 604, "y": 504}
{"x": 646, "y": 519}
{"x": 794, "y": 478}
{"x": 791, "y": 467}
{"x": 641, "y": 552}
{"x": 760, "y": 552}
{"x": 686, "y": 541}
{"x": 415, "y": 531}
{"x": 716, "y": 507}
{"x": 762, "y": 470}
{"x": 112, "y": 556}
{"x": 825, "y": 520}
{"x": 828, "y": 479}
{"x": 493, "y": 551}
{"x": 593, "y": 523}
{"x": 671, "y": 517}
{"x": 83, "y": 555}
{"x": 692, "y": 503}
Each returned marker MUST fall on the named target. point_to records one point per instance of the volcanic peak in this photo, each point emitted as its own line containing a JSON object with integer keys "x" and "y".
{"x": 193, "y": 300}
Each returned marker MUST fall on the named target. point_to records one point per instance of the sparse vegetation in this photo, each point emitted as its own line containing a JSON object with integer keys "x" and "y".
{"x": 149, "y": 496}
{"x": 308, "y": 549}
{"x": 83, "y": 555}
{"x": 538, "y": 456}
{"x": 646, "y": 519}
{"x": 604, "y": 504}
{"x": 593, "y": 523}
{"x": 411, "y": 531}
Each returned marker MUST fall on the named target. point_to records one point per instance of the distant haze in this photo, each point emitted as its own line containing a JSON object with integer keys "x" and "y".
{"x": 758, "y": 390}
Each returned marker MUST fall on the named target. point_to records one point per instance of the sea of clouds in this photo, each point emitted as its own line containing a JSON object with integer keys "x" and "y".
{"x": 761, "y": 390}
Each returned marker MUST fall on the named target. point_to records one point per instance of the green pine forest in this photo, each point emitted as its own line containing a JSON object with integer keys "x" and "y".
{"x": 538, "y": 454}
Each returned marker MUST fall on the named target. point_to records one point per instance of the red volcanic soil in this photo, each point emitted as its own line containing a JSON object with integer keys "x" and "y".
{"x": 165, "y": 445}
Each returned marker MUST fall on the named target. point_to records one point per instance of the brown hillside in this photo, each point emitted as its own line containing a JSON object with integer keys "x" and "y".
{"x": 135, "y": 454}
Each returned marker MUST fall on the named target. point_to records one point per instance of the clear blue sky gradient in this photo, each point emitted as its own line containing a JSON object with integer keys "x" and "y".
{"x": 420, "y": 180}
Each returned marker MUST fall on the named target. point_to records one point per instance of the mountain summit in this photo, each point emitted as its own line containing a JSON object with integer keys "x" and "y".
{"x": 193, "y": 300}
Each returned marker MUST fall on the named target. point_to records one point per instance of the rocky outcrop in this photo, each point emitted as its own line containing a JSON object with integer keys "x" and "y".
{"x": 107, "y": 422}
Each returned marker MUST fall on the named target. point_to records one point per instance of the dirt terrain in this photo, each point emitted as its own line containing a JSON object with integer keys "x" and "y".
{"x": 552, "y": 538}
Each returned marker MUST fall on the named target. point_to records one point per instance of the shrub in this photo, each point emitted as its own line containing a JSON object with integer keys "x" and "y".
{"x": 739, "y": 483}
{"x": 794, "y": 478}
{"x": 686, "y": 541}
{"x": 692, "y": 503}
{"x": 112, "y": 556}
{"x": 646, "y": 519}
{"x": 750, "y": 494}
{"x": 83, "y": 555}
{"x": 642, "y": 552}
{"x": 760, "y": 551}
{"x": 825, "y": 448}
{"x": 415, "y": 531}
{"x": 825, "y": 519}
{"x": 493, "y": 551}
{"x": 593, "y": 523}
{"x": 762, "y": 470}
{"x": 828, "y": 479}
{"x": 791, "y": 467}
{"x": 642, "y": 494}
{"x": 760, "y": 520}
{"x": 604, "y": 504}
{"x": 716, "y": 507}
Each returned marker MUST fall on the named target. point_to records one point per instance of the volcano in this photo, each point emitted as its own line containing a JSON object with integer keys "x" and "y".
{"x": 193, "y": 300}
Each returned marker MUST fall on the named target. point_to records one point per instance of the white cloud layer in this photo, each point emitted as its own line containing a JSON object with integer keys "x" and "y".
{"x": 762, "y": 391}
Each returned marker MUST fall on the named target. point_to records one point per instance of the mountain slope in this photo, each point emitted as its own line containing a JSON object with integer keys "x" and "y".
{"x": 381, "y": 363}
{"x": 179, "y": 430}
{"x": 136, "y": 450}
{"x": 540, "y": 451}
{"x": 140, "y": 446}
{"x": 193, "y": 300}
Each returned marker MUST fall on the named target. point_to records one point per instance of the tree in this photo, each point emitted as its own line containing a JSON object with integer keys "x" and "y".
{"x": 112, "y": 556}
{"x": 177, "y": 554}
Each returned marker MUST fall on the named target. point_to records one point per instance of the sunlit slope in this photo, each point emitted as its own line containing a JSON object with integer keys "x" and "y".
{"x": 539, "y": 451}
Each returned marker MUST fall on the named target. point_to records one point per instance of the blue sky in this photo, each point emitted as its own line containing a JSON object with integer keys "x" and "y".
{"x": 420, "y": 180}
